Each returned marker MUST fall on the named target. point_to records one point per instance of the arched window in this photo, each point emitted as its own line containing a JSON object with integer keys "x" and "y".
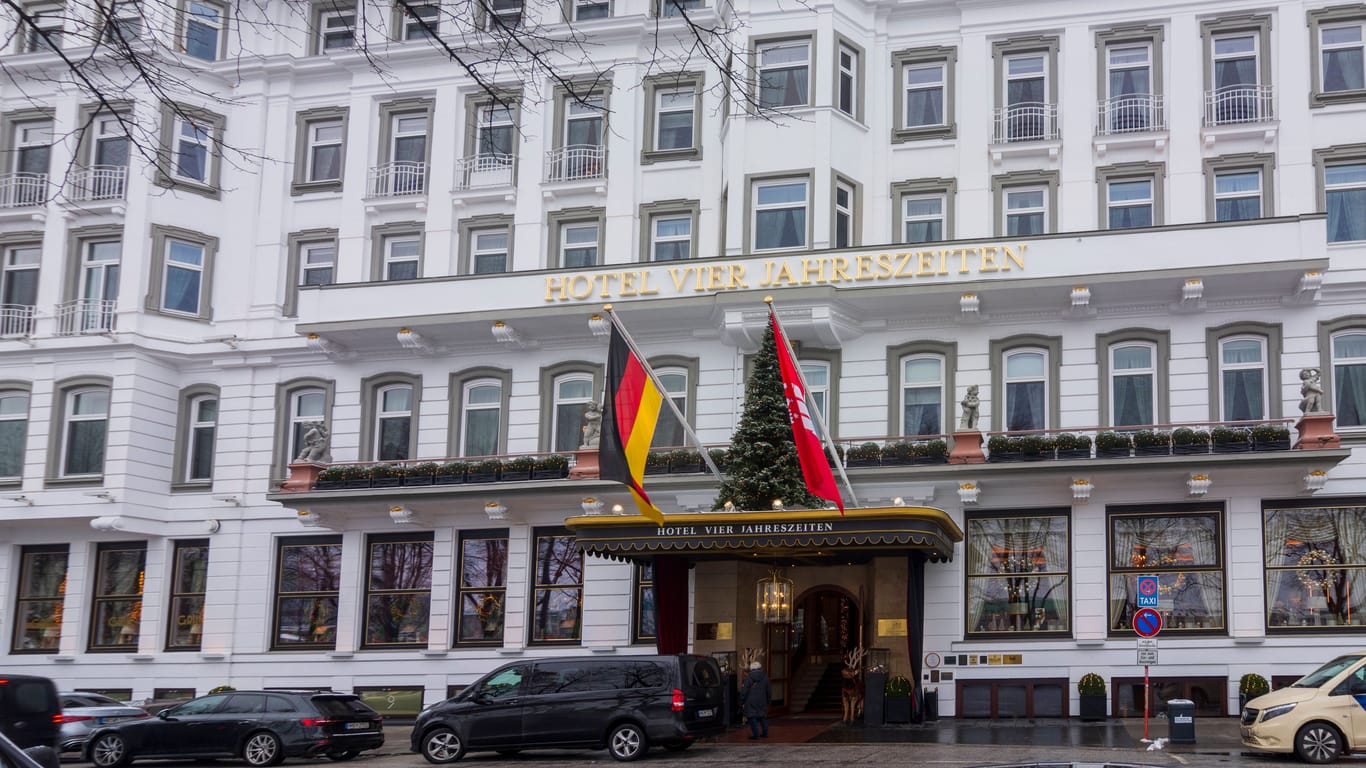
{"x": 1133, "y": 376}
{"x": 481, "y": 418}
{"x": 1242, "y": 378}
{"x": 1026, "y": 382}
{"x": 1349, "y": 378}
{"x": 572, "y": 393}
{"x": 13, "y": 432}
{"x": 668, "y": 431}
{"x": 199, "y": 442}
{"x": 305, "y": 407}
{"x": 922, "y": 395}
{"x": 393, "y": 422}
{"x": 87, "y": 425}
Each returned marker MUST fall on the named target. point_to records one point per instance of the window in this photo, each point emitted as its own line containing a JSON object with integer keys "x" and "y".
{"x": 922, "y": 395}
{"x": 674, "y": 119}
{"x": 1133, "y": 374}
{"x": 189, "y": 583}
{"x": 317, "y": 263}
{"x": 393, "y": 422}
{"x": 1026, "y": 79}
{"x": 45, "y": 33}
{"x": 678, "y": 8}
{"x": 402, "y": 257}
{"x": 403, "y": 164}
{"x": 1026, "y": 381}
{"x": 307, "y": 587}
{"x": 573, "y": 393}
{"x": 486, "y": 244}
{"x": 557, "y": 587}
{"x": 1026, "y": 211}
{"x": 490, "y": 141}
{"x": 843, "y": 233}
{"x": 312, "y": 260}
{"x": 585, "y": 10}
{"x": 202, "y": 30}
{"x": 419, "y": 21}
{"x": 307, "y": 407}
{"x": 1344, "y": 192}
{"x": 780, "y": 213}
{"x": 13, "y": 433}
{"x": 784, "y": 71}
{"x": 1019, "y": 573}
{"x": 1314, "y": 564}
{"x": 1349, "y": 379}
{"x": 1130, "y": 203}
{"x": 923, "y": 93}
{"x": 116, "y": 611}
{"x": 1242, "y": 379}
{"x": 398, "y": 590}
{"x": 490, "y": 252}
{"x": 481, "y": 418}
{"x": 1129, "y": 89}
{"x": 1238, "y": 192}
{"x": 19, "y": 288}
{"x": 32, "y": 151}
{"x": 335, "y": 28}
{"x": 182, "y": 263}
{"x": 191, "y": 149}
{"x": 847, "y": 79}
{"x": 922, "y": 218}
{"x": 1237, "y": 69}
{"x": 817, "y": 375}
{"x": 1336, "y": 35}
{"x": 42, "y": 596}
{"x": 669, "y": 432}
{"x": 104, "y": 152}
{"x": 99, "y": 287}
{"x": 496, "y": 130}
{"x": 124, "y": 23}
{"x": 670, "y": 238}
{"x": 320, "y": 154}
{"x": 86, "y": 419}
{"x": 645, "y": 618}
{"x": 673, "y": 109}
{"x": 325, "y": 150}
{"x": 482, "y": 592}
{"x": 1184, "y": 551}
{"x": 579, "y": 151}
{"x": 504, "y": 15}
{"x": 202, "y": 429}
{"x": 575, "y": 238}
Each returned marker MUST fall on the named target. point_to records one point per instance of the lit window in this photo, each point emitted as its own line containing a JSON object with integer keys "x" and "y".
{"x": 116, "y": 611}
{"x": 38, "y": 612}
{"x": 1184, "y": 552}
{"x": 189, "y": 583}
{"x": 1018, "y": 574}
{"x": 1315, "y": 567}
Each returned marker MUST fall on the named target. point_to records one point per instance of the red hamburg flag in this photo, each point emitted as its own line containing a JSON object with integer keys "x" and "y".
{"x": 820, "y": 481}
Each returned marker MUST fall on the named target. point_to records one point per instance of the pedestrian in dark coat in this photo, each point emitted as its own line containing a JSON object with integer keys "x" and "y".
{"x": 755, "y": 694}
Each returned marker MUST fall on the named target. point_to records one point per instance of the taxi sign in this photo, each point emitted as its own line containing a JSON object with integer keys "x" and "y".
{"x": 1147, "y": 622}
{"x": 1147, "y": 592}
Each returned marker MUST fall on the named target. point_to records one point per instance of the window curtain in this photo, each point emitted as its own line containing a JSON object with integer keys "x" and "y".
{"x": 1129, "y": 114}
{"x": 1342, "y": 70}
{"x": 568, "y": 426}
{"x": 12, "y": 438}
{"x": 1238, "y": 209}
{"x": 922, "y": 411}
{"x": 924, "y": 231}
{"x": 1025, "y": 99}
{"x": 1131, "y": 216}
{"x": 1231, "y": 73}
{"x": 1243, "y": 395}
{"x": 1233, "y": 80}
{"x": 1349, "y": 381}
{"x": 1024, "y": 224}
{"x": 481, "y": 432}
{"x": 191, "y": 161}
{"x": 781, "y": 229}
{"x": 1346, "y": 214}
{"x": 85, "y": 447}
{"x": 924, "y": 106}
{"x": 393, "y": 438}
{"x": 671, "y": 603}
{"x": 1133, "y": 400}
{"x": 1024, "y": 406}
{"x": 783, "y": 87}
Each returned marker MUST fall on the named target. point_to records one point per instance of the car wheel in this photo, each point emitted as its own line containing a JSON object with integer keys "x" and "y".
{"x": 677, "y": 746}
{"x": 342, "y": 755}
{"x": 109, "y": 751}
{"x": 442, "y": 745}
{"x": 626, "y": 743}
{"x": 263, "y": 749}
{"x": 1318, "y": 743}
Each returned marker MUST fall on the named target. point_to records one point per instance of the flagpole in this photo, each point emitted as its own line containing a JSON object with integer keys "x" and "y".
{"x": 806, "y": 396}
{"x": 702, "y": 449}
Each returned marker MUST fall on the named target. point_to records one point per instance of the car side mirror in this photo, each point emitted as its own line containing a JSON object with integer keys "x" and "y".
{"x": 164, "y": 714}
{"x": 483, "y": 697}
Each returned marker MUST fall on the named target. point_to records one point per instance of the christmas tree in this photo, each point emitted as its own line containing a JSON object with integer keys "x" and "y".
{"x": 762, "y": 464}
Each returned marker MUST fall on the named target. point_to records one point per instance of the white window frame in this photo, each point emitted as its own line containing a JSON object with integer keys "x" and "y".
{"x": 1111, "y": 203}
{"x": 581, "y": 5}
{"x": 673, "y": 9}
{"x": 559, "y": 400}
{"x": 764, "y": 48}
{"x": 844, "y": 215}
{"x": 429, "y": 12}
{"x": 1007, "y": 211}
{"x": 818, "y": 393}
{"x": 194, "y": 139}
{"x": 399, "y": 133}
{"x": 307, "y": 263}
{"x": 106, "y": 128}
{"x": 1111, "y": 67}
{"x": 1344, "y": 361}
{"x": 315, "y": 143}
{"x": 476, "y": 251}
{"x": 70, "y": 417}
{"x": 47, "y": 18}
{"x": 18, "y": 259}
{"x": 391, "y": 244}
{"x": 329, "y": 30}
{"x": 1116, "y": 373}
{"x": 468, "y": 405}
{"x": 1215, "y": 56}
{"x": 198, "y": 430}
{"x": 91, "y": 266}
{"x": 1008, "y": 76}
{"x": 907, "y": 385}
{"x": 686, "y": 96}
{"x": 1328, "y": 188}
{"x": 848, "y": 62}
{"x": 218, "y": 27}
{"x": 492, "y": 117}
{"x": 910, "y": 87}
{"x": 656, "y": 239}
{"x": 125, "y": 19}
{"x": 18, "y": 415}
{"x": 1260, "y": 365}
{"x": 1261, "y": 203}
{"x": 298, "y": 419}
{"x": 569, "y": 229}
{"x": 1325, "y": 47}
{"x": 675, "y": 381}
{"x": 30, "y": 136}
{"x": 382, "y": 415}
{"x": 1006, "y": 381}
{"x": 197, "y": 270}
{"x": 757, "y": 208}
{"x": 511, "y": 13}
{"x": 908, "y": 218}
{"x": 592, "y": 108}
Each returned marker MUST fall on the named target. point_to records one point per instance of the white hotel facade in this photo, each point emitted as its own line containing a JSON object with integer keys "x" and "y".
{"x": 1103, "y": 216}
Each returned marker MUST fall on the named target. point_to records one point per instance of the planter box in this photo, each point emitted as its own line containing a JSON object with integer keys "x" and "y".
{"x": 1074, "y": 453}
{"x": 1271, "y": 445}
{"x": 1190, "y": 450}
{"x": 1092, "y": 707}
{"x": 927, "y": 460}
{"x": 1113, "y": 453}
{"x": 897, "y": 709}
{"x": 1005, "y": 456}
{"x": 448, "y": 479}
{"x": 362, "y": 483}
{"x": 480, "y": 477}
{"x": 418, "y": 480}
{"x": 1043, "y": 456}
{"x": 327, "y": 485}
{"x": 657, "y": 469}
{"x": 685, "y": 468}
{"x": 1152, "y": 450}
{"x": 507, "y": 475}
{"x": 549, "y": 474}
{"x": 1232, "y": 447}
{"x": 897, "y": 461}
{"x": 385, "y": 482}
{"x": 863, "y": 463}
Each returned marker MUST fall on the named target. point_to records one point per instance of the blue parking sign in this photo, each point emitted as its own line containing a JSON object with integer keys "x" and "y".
{"x": 1147, "y": 591}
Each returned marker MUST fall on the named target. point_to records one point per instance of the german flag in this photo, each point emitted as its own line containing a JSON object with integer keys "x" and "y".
{"x": 630, "y": 410}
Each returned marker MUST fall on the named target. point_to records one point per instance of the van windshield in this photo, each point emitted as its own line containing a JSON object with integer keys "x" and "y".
{"x": 1327, "y": 672}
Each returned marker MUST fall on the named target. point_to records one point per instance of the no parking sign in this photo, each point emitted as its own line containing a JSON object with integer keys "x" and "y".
{"x": 1147, "y": 591}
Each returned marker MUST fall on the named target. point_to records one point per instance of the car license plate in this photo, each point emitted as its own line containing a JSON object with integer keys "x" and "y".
{"x": 357, "y": 726}
{"x": 706, "y": 712}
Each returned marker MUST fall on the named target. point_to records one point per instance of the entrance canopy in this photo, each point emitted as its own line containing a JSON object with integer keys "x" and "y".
{"x": 820, "y": 536}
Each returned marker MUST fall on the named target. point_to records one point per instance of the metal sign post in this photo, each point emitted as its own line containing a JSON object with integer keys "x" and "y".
{"x": 1147, "y": 623}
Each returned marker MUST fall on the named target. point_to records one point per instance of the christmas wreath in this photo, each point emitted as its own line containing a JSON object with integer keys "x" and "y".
{"x": 1313, "y": 562}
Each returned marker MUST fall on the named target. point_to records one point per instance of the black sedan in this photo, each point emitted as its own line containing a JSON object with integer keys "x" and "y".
{"x": 260, "y": 727}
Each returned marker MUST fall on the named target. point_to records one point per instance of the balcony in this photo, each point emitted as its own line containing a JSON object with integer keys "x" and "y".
{"x": 16, "y": 321}
{"x": 397, "y": 179}
{"x": 485, "y": 172}
{"x": 1133, "y": 113}
{"x": 23, "y": 190}
{"x": 1238, "y": 105}
{"x": 577, "y": 162}
{"x": 1027, "y": 121}
{"x": 83, "y": 316}
{"x": 98, "y": 183}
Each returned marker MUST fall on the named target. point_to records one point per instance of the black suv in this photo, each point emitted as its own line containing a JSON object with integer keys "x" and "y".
{"x": 625, "y": 704}
{"x": 260, "y": 727}
{"x": 30, "y": 711}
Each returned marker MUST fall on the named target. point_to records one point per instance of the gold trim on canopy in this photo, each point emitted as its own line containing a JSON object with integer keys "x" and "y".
{"x": 816, "y": 534}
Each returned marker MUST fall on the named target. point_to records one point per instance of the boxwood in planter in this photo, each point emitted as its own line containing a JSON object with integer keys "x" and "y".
{"x": 1091, "y": 690}
{"x": 656, "y": 462}
{"x": 1270, "y": 437}
{"x": 550, "y": 467}
{"x": 422, "y": 473}
{"x": 1150, "y": 442}
{"x": 1113, "y": 444}
{"x": 485, "y": 471}
{"x": 684, "y": 461}
{"x": 1187, "y": 441}
{"x": 1036, "y": 447}
{"x": 932, "y": 452}
{"x": 720, "y": 457}
{"x": 1231, "y": 439}
{"x": 1250, "y": 686}
{"x": 1072, "y": 446}
{"x": 451, "y": 473}
{"x": 864, "y": 455}
{"x": 897, "y": 453}
{"x": 517, "y": 468}
{"x": 332, "y": 477}
{"x": 1004, "y": 448}
{"x": 355, "y": 476}
{"x": 385, "y": 475}
{"x": 897, "y": 700}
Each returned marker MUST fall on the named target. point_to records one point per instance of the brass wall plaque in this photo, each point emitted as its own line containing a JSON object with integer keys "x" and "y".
{"x": 993, "y": 658}
{"x": 891, "y": 627}
{"x": 1013, "y": 658}
{"x": 725, "y": 631}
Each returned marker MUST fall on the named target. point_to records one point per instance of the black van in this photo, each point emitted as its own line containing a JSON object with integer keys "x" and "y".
{"x": 626, "y": 704}
{"x": 30, "y": 711}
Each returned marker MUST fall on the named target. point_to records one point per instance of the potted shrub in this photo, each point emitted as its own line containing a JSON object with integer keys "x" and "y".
{"x": 1111, "y": 444}
{"x": 1072, "y": 446}
{"x": 422, "y": 473}
{"x": 1231, "y": 439}
{"x": 1270, "y": 437}
{"x": 331, "y": 477}
{"x": 839, "y": 455}
{"x": 684, "y": 460}
{"x": 385, "y": 475}
{"x": 1250, "y": 686}
{"x": 1091, "y": 688}
{"x": 656, "y": 462}
{"x": 1004, "y": 448}
{"x": 517, "y": 468}
{"x": 485, "y": 471}
{"x": 1036, "y": 447}
{"x": 1187, "y": 441}
{"x": 896, "y": 700}
{"x": 451, "y": 473}
{"x": 1150, "y": 442}
{"x": 897, "y": 453}
{"x": 552, "y": 467}
{"x": 355, "y": 476}
{"x": 932, "y": 452}
{"x": 864, "y": 455}
{"x": 719, "y": 457}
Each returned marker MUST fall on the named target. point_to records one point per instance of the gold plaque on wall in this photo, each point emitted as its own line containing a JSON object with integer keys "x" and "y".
{"x": 725, "y": 631}
{"x": 993, "y": 658}
{"x": 891, "y": 627}
{"x": 1014, "y": 658}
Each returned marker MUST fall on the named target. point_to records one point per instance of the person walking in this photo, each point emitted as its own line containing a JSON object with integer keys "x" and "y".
{"x": 755, "y": 694}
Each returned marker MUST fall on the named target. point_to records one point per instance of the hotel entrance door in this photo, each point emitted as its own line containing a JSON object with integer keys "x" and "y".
{"x": 778, "y": 644}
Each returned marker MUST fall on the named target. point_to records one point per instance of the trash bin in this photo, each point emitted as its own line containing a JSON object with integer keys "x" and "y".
{"x": 1181, "y": 721}
{"x": 931, "y": 705}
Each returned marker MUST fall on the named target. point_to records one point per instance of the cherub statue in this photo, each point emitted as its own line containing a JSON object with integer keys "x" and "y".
{"x": 1311, "y": 391}
{"x": 317, "y": 447}
{"x": 971, "y": 403}
{"x": 592, "y": 425}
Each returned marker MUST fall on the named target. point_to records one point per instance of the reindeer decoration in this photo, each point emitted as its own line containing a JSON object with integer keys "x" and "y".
{"x": 851, "y": 692}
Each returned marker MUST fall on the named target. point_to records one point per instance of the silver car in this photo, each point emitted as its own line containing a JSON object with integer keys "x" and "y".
{"x": 84, "y": 712}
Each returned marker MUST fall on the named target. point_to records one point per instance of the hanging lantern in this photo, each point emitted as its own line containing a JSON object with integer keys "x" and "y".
{"x": 773, "y": 599}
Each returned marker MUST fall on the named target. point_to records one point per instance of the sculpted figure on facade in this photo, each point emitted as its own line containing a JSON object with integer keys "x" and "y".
{"x": 592, "y": 425}
{"x": 971, "y": 404}
{"x": 1311, "y": 391}
{"x": 317, "y": 448}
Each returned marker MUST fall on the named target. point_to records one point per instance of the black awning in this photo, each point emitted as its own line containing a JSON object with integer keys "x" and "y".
{"x": 809, "y": 535}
